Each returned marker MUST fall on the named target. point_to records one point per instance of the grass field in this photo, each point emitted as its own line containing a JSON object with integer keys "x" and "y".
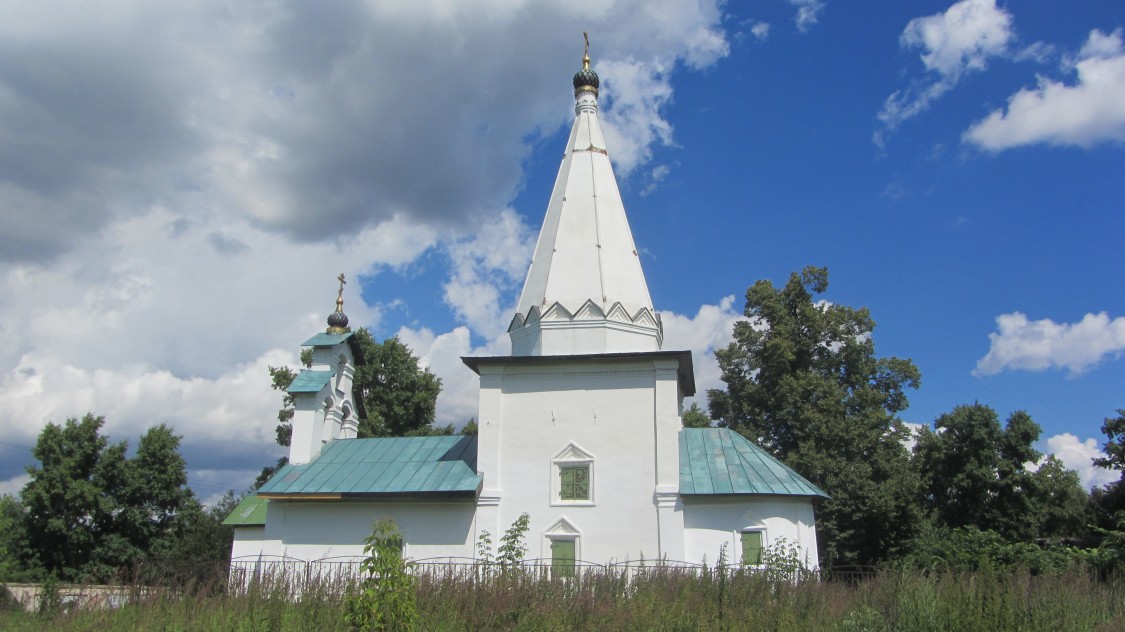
{"x": 653, "y": 600}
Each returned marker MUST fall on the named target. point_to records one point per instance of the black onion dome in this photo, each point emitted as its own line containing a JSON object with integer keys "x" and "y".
{"x": 586, "y": 78}
{"x": 338, "y": 320}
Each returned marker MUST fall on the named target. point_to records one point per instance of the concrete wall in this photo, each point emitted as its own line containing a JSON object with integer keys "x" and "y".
{"x": 710, "y": 524}
{"x": 75, "y": 596}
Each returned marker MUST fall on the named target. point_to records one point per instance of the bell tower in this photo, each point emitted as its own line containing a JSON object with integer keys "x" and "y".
{"x": 322, "y": 392}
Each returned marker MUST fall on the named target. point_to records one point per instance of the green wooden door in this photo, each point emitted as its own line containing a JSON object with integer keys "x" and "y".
{"x": 562, "y": 558}
{"x": 752, "y": 547}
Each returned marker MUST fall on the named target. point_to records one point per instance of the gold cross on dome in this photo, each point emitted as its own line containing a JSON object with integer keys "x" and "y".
{"x": 342, "y": 282}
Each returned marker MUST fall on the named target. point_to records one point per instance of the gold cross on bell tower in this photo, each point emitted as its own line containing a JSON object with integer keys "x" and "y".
{"x": 338, "y": 321}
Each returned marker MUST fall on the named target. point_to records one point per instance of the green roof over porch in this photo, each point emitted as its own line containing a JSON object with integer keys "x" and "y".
{"x": 388, "y": 467}
{"x": 719, "y": 461}
{"x": 250, "y": 512}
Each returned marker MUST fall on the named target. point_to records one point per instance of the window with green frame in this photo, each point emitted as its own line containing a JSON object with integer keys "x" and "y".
{"x": 752, "y": 547}
{"x": 562, "y": 558}
{"x": 574, "y": 482}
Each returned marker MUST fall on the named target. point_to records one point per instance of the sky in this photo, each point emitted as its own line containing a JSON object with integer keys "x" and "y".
{"x": 180, "y": 185}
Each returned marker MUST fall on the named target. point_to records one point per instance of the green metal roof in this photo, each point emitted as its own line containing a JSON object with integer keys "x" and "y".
{"x": 719, "y": 461}
{"x": 395, "y": 466}
{"x": 308, "y": 381}
{"x": 326, "y": 340}
{"x": 250, "y": 512}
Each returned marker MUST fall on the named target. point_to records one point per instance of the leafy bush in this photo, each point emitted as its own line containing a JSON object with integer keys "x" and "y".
{"x": 512, "y": 545}
{"x": 971, "y": 549}
{"x": 385, "y": 600}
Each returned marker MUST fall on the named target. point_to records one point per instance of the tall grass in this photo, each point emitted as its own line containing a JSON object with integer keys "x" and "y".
{"x": 656, "y": 599}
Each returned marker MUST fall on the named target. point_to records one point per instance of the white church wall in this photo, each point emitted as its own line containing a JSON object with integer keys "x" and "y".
{"x": 314, "y": 530}
{"x": 247, "y": 542}
{"x": 607, "y": 410}
{"x": 712, "y": 523}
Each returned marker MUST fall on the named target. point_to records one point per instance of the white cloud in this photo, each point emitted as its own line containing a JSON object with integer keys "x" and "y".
{"x": 154, "y": 291}
{"x": 808, "y": 13}
{"x": 292, "y": 116}
{"x": 760, "y": 31}
{"x": 487, "y": 268}
{"x": 12, "y": 486}
{"x": 654, "y": 178}
{"x": 181, "y": 183}
{"x": 953, "y": 43}
{"x": 1037, "y": 345}
{"x": 1088, "y": 112}
{"x": 635, "y": 93}
{"x": 1078, "y": 455}
{"x": 231, "y": 412}
{"x": 962, "y": 38}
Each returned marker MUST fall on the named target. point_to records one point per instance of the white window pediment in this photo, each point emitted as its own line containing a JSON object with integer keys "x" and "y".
{"x": 573, "y": 453}
{"x": 562, "y": 528}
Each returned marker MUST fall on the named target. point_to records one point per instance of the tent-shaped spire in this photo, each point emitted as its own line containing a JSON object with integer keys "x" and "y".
{"x": 585, "y": 292}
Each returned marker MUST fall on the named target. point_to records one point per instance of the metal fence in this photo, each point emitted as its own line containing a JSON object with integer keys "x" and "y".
{"x": 294, "y": 578}
{"x": 244, "y": 570}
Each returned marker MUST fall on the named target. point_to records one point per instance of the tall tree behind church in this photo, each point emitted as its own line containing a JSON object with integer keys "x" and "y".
{"x": 803, "y": 380}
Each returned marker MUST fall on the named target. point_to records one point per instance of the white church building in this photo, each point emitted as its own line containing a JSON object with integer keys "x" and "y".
{"x": 580, "y": 427}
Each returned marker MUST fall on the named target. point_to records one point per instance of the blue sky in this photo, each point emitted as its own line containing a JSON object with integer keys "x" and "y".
{"x": 180, "y": 187}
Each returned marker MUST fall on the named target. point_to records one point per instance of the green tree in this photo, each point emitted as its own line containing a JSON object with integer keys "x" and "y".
{"x": 396, "y": 397}
{"x": 974, "y": 474}
{"x": 91, "y": 510}
{"x": 197, "y": 545}
{"x": 63, "y": 499}
{"x": 1108, "y": 502}
{"x": 1114, "y": 430}
{"x": 694, "y": 417}
{"x": 12, "y": 539}
{"x": 802, "y": 379}
{"x": 147, "y": 500}
{"x": 960, "y": 463}
{"x": 1061, "y": 506}
{"x": 281, "y": 377}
